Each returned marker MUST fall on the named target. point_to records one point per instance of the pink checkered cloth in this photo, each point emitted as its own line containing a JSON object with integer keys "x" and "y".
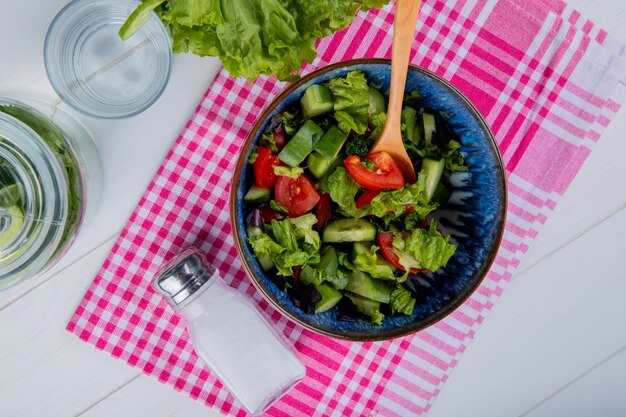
{"x": 547, "y": 81}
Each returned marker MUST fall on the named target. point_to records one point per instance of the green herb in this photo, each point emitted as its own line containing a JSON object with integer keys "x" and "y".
{"x": 359, "y": 146}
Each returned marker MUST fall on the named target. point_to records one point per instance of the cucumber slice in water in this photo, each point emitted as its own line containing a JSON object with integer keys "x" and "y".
{"x": 138, "y": 18}
{"x": 11, "y": 222}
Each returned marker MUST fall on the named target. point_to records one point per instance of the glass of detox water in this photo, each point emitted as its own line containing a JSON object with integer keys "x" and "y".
{"x": 96, "y": 72}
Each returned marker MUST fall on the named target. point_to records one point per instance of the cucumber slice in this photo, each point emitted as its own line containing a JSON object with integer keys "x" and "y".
{"x": 320, "y": 166}
{"x": 330, "y": 297}
{"x": 11, "y": 222}
{"x": 430, "y": 127}
{"x": 349, "y": 230}
{"x": 301, "y": 144}
{"x": 364, "y": 305}
{"x": 307, "y": 276}
{"x": 317, "y": 99}
{"x": 441, "y": 195}
{"x": 377, "y": 102}
{"x": 331, "y": 143}
{"x": 433, "y": 169}
{"x": 328, "y": 263}
{"x": 138, "y": 18}
{"x": 362, "y": 284}
{"x": 257, "y": 195}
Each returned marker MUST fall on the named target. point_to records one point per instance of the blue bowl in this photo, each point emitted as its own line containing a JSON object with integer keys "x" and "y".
{"x": 474, "y": 216}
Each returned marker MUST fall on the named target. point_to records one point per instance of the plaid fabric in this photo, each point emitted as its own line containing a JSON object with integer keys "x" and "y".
{"x": 547, "y": 81}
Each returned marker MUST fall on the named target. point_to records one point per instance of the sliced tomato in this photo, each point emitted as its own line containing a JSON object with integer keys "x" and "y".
{"x": 298, "y": 196}
{"x": 385, "y": 175}
{"x": 279, "y": 138}
{"x": 366, "y": 198}
{"x": 264, "y": 176}
{"x": 268, "y": 214}
{"x": 385, "y": 241}
{"x": 323, "y": 210}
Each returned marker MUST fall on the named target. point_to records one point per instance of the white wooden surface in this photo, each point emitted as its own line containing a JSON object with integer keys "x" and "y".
{"x": 554, "y": 345}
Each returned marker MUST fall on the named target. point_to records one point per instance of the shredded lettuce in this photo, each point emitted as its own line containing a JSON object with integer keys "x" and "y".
{"x": 401, "y": 301}
{"x": 253, "y": 37}
{"x": 370, "y": 263}
{"x": 429, "y": 248}
{"x": 351, "y": 101}
{"x": 393, "y": 204}
{"x": 289, "y": 243}
{"x": 304, "y": 229}
{"x": 342, "y": 189}
{"x": 378, "y": 121}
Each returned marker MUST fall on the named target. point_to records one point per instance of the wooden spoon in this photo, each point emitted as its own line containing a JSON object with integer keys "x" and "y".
{"x": 390, "y": 139}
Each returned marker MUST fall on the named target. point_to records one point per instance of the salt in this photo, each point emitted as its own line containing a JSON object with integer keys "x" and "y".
{"x": 230, "y": 333}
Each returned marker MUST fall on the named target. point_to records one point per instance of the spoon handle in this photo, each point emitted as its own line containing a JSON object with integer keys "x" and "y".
{"x": 403, "y": 30}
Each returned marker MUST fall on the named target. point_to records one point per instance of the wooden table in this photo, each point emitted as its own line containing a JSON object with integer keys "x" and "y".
{"x": 554, "y": 345}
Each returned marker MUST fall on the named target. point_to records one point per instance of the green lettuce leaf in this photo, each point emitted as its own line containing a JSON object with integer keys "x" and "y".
{"x": 350, "y": 93}
{"x": 304, "y": 229}
{"x": 393, "y": 204}
{"x": 342, "y": 189}
{"x": 264, "y": 246}
{"x": 351, "y": 101}
{"x": 370, "y": 263}
{"x": 429, "y": 248}
{"x": 347, "y": 122}
{"x": 253, "y": 37}
{"x": 401, "y": 301}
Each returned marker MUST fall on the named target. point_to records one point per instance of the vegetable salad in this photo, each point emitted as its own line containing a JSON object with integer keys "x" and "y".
{"x": 336, "y": 226}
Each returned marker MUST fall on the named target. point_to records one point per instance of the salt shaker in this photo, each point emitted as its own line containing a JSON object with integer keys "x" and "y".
{"x": 229, "y": 332}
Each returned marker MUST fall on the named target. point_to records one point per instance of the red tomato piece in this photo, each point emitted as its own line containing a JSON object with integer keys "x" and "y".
{"x": 385, "y": 241}
{"x": 323, "y": 210}
{"x": 366, "y": 198}
{"x": 298, "y": 196}
{"x": 264, "y": 176}
{"x": 385, "y": 176}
